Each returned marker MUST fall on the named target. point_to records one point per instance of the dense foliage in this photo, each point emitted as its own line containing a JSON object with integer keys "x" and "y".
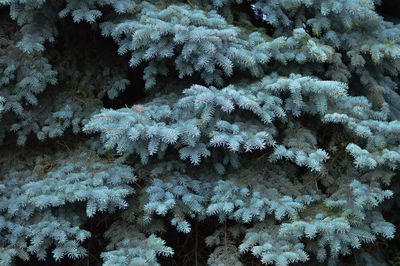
{"x": 259, "y": 131}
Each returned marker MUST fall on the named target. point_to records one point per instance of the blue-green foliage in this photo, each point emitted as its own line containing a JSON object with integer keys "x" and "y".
{"x": 264, "y": 242}
{"x": 225, "y": 252}
{"x": 286, "y": 141}
{"x": 131, "y": 247}
{"x": 29, "y": 195}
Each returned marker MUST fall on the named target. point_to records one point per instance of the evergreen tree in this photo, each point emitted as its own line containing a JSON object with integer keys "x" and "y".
{"x": 259, "y": 130}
